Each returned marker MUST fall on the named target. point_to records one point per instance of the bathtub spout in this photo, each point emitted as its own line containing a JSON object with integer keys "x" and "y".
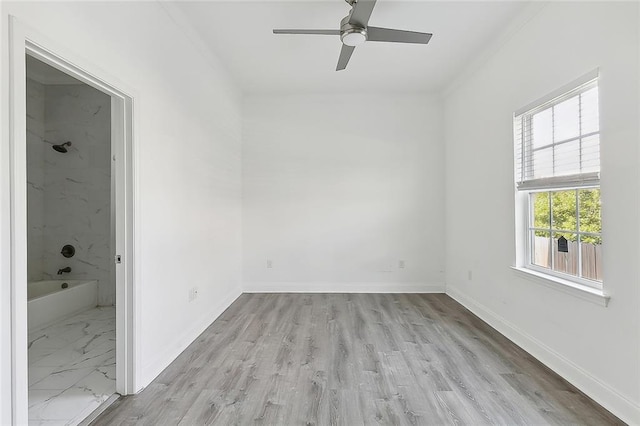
{"x": 67, "y": 270}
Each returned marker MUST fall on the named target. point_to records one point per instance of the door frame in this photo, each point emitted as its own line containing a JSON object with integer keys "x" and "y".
{"x": 24, "y": 40}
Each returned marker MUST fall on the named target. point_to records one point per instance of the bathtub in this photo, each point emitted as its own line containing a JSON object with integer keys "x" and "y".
{"x": 48, "y": 301}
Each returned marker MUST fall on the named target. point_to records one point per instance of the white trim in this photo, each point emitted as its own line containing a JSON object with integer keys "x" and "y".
{"x": 154, "y": 366}
{"x": 338, "y": 287}
{"x": 18, "y": 222}
{"x": 620, "y": 405}
{"x": 6, "y": 404}
{"x": 25, "y": 39}
{"x": 589, "y": 294}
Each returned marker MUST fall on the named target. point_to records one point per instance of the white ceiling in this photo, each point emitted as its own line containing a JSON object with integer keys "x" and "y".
{"x": 240, "y": 34}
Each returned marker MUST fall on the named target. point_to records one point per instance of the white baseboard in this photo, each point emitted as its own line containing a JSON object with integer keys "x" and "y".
{"x": 600, "y": 392}
{"x": 336, "y": 287}
{"x": 175, "y": 348}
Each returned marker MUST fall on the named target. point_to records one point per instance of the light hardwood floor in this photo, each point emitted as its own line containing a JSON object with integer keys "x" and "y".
{"x": 351, "y": 359}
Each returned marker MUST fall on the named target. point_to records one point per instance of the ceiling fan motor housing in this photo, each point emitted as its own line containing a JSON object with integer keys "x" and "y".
{"x": 352, "y": 35}
{"x": 355, "y": 30}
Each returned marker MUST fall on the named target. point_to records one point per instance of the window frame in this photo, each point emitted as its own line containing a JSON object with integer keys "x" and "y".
{"x": 530, "y": 229}
{"x": 526, "y": 151}
{"x": 524, "y": 188}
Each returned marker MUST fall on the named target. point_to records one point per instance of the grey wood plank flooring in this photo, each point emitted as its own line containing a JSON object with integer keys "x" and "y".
{"x": 352, "y": 359}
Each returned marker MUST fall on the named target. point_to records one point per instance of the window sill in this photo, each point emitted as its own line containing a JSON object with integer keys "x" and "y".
{"x": 589, "y": 294}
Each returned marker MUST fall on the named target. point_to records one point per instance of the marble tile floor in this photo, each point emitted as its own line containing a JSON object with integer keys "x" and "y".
{"x": 72, "y": 367}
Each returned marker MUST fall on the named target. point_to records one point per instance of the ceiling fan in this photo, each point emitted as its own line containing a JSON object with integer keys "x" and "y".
{"x": 355, "y": 30}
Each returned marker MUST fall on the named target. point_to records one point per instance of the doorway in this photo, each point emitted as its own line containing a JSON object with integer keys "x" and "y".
{"x": 70, "y": 246}
{"x": 113, "y": 281}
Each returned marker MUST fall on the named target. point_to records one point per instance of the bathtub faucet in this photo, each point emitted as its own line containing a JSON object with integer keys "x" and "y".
{"x": 67, "y": 270}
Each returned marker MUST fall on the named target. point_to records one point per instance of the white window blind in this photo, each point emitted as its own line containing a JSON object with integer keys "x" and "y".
{"x": 558, "y": 141}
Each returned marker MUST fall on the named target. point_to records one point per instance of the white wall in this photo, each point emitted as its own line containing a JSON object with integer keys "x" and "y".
{"x": 338, "y": 189}
{"x": 595, "y": 347}
{"x": 187, "y": 128}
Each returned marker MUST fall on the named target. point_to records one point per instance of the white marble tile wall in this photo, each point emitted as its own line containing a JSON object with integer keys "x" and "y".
{"x": 35, "y": 180}
{"x": 77, "y": 190}
{"x": 69, "y": 194}
{"x": 71, "y": 367}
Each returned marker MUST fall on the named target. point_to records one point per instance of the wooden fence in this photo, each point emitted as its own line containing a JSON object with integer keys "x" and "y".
{"x": 568, "y": 262}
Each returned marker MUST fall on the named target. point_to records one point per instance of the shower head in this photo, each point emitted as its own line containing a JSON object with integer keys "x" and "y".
{"x": 61, "y": 147}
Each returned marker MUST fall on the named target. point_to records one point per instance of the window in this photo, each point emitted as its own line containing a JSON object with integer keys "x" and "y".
{"x": 557, "y": 146}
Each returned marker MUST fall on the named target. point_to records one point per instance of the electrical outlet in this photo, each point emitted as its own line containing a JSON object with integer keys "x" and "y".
{"x": 400, "y": 264}
{"x": 269, "y": 264}
{"x": 193, "y": 294}
{"x": 469, "y": 275}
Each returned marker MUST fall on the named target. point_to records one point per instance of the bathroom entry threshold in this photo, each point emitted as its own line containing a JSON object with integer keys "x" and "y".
{"x": 94, "y": 415}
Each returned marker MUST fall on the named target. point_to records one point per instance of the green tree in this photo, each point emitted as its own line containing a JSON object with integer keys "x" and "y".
{"x": 557, "y": 211}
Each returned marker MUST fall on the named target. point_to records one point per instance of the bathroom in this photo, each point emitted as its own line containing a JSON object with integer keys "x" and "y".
{"x": 71, "y": 287}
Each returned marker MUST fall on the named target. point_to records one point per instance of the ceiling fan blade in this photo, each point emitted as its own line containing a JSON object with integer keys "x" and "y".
{"x": 315, "y": 32}
{"x": 362, "y": 12}
{"x": 397, "y": 36}
{"x": 345, "y": 55}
